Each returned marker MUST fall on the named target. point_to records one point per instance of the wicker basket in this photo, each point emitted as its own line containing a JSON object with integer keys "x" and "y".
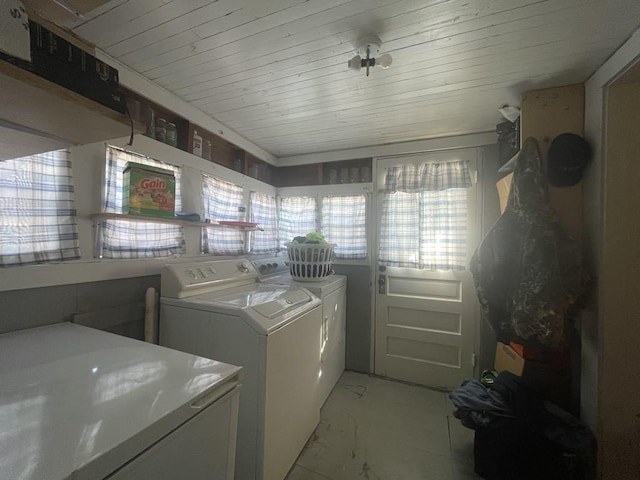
{"x": 310, "y": 262}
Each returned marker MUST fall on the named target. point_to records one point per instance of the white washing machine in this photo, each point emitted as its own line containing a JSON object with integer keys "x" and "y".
{"x": 218, "y": 310}
{"x": 83, "y": 404}
{"x": 332, "y": 291}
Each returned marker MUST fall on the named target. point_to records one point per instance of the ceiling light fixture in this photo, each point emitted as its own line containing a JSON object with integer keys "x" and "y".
{"x": 367, "y": 55}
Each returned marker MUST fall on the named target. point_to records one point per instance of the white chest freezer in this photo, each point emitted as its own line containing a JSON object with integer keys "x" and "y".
{"x": 78, "y": 403}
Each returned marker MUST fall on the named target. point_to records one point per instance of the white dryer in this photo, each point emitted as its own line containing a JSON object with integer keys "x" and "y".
{"x": 332, "y": 291}
{"x": 218, "y": 310}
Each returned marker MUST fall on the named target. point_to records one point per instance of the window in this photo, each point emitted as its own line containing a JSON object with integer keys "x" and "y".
{"x": 296, "y": 216}
{"x": 424, "y": 216}
{"x": 222, "y": 201}
{"x": 38, "y": 214}
{"x": 263, "y": 212}
{"x": 342, "y": 221}
{"x": 126, "y": 239}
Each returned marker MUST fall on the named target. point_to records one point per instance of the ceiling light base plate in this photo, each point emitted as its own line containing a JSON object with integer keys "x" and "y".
{"x": 370, "y": 42}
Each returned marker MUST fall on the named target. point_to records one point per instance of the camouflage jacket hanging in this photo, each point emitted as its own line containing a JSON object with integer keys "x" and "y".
{"x": 527, "y": 272}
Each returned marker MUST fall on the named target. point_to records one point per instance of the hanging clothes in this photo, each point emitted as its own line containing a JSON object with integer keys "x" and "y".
{"x": 527, "y": 271}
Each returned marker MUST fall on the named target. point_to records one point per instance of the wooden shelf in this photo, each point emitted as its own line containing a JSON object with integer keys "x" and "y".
{"x": 101, "y": 217}
{"x": 98, "y": 218}
{"x": 343, "y": 172}
{"x": 38, "y": 116}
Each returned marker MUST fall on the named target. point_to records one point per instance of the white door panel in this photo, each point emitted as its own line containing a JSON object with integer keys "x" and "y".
{"x": 426, "y": 320}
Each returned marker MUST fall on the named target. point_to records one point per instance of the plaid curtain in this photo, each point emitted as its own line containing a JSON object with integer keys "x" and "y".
{"x": 399, "y": 243}
{"x": 343, "y": 223}
{"x": 424, "y": 216}
{"x": 262, "y": 207}
{"x": 427, "y": 177}
{"x": 222, "y": 201}
{"x": 127, "y": 239}
{"x": 38, "y": 214}
{"x": 296, "y": 217}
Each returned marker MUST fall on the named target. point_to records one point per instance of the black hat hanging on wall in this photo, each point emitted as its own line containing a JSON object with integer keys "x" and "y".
{"x": 568, "y": 156}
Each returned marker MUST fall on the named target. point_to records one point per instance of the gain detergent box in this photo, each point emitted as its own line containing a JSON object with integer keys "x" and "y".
{"x": 148, "y": 191}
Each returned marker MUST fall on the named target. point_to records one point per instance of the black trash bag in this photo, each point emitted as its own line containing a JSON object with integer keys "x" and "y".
{"x": 541, "y": 441}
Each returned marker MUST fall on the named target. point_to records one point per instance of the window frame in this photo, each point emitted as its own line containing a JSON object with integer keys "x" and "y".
{"x": 242, "y": 237}
{"x": 140, "y": 254}
{"x": 73, "y": 249}
{"x": 319, "y": 191}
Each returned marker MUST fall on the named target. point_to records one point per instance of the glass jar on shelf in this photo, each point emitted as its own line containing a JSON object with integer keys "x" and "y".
{"x": 206, "y": 149}
{"x": 197, "y": 144}
{"x": 344, "y": 175}
{"x": 172, "y": 135}
{"x": 149, "y": 122}
{"x": 161, "y": 130}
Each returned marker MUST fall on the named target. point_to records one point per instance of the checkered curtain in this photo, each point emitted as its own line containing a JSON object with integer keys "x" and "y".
{"x": 427, "y": 177}
{"x": 38, "y": 214}
{"x": 296, "y": 217}
{"x": 424, "y": 216}
{"x": 262, "y": 208}
{"x": 127, "y": 239}
{"x": 222, "y": 201}
{"x": 343, "y": 223}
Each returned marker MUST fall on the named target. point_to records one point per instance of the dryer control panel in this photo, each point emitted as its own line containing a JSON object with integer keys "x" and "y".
{"x": 187, "y": 279}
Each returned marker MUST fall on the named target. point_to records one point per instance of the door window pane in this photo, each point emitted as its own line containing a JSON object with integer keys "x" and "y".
{"x": 424, "y": 216}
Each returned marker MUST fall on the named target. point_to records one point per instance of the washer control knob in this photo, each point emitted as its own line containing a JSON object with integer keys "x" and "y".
{"x": 243, "y": 267}
{"x": 263, "y": 268}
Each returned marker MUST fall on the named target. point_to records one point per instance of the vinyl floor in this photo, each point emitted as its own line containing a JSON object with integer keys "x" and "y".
{"x": 377, "y": 429}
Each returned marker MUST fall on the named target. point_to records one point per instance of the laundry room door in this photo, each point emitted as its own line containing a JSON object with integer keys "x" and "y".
{"x": 426, "y": 309}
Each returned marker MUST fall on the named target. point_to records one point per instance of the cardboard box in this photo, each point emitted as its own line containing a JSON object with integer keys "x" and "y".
{"x": 550, "y": 382}
{"x": 507, "y": 359}
{"x": 503, "y": 186}
{"x": 148, "y": 191}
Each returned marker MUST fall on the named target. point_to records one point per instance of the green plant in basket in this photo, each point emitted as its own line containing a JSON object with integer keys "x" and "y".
{"x": 315, "y": 237}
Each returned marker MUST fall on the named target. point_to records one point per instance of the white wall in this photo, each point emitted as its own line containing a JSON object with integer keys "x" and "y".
{"x": 88, "y": 163}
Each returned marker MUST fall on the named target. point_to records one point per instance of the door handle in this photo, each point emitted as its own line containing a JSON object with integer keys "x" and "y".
{"x": 382, "y": 282}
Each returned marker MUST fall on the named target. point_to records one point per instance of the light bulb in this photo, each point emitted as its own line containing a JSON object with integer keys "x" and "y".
{"x": 384, "y": 60}
{"x": 355, "y": 63}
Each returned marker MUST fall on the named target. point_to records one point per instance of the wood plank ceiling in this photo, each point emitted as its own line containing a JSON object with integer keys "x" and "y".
{"x": 276, "y": 71}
